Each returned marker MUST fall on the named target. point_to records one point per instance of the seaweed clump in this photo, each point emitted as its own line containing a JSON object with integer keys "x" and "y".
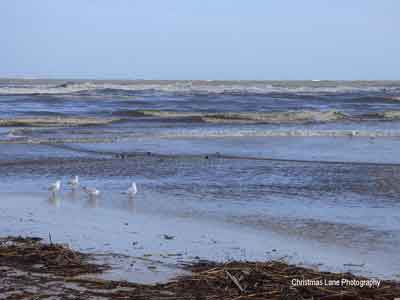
{"x": 30, "y": 254}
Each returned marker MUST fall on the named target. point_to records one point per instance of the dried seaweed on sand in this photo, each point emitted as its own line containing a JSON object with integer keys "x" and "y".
{"x": 208, "y": 280}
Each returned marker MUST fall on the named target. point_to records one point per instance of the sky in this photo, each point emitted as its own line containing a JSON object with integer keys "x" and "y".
{"x": 201, "y": 39}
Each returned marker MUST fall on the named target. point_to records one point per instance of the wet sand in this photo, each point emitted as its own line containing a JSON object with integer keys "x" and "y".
{"x": 166, "y": 242}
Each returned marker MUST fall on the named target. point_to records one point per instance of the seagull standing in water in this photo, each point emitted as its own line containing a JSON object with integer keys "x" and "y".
{"x": 55, "y": 187}
{"x": 74, "y": 182}
{"x": 132, "y": 191}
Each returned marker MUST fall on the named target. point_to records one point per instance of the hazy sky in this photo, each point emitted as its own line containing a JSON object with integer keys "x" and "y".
{"x": 200, "y": 39}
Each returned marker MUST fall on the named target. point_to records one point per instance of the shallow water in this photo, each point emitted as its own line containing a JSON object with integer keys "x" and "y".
{"x": 320, "y": 190}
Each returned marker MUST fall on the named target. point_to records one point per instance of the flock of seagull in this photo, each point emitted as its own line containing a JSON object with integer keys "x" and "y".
{"x": 91, "y": 192}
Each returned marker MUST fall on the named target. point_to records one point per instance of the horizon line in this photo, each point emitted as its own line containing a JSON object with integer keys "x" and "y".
{"x": 33, "y": 78}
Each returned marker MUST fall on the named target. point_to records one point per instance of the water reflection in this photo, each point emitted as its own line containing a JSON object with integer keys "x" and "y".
{"x": 92, "y": 201}
{"x": 131, "y": 205}
{"x": 54, "y": 200}
{"x": 73, "y": 195}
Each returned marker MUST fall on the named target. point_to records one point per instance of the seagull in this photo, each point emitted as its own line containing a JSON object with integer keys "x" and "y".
{"x": 92, "y": 192}
{"x": 132, "y": 191}
{"x": 55, "y": 187}
{"x": 73, "y": 182}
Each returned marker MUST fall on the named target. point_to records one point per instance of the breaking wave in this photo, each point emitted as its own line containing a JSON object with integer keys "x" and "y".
{"x": 240, "y": 117}
{"x": 262, "y": 117}
{"x": 280, "y": 133}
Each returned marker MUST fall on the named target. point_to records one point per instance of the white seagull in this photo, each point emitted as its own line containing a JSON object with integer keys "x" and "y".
{"x": 73, "y": 182}
{"x": 132, "y": 191}
{"x": 55, "y": 187}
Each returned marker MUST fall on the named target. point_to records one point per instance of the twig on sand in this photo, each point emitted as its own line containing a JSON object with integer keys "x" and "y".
{"x": 235, "y": 281}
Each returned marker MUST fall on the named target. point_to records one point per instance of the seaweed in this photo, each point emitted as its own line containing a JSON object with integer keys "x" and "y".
{"x": 207, "y": 280}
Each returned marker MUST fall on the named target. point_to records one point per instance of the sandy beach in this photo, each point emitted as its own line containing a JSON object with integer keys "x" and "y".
{"x": 32, "y": 268}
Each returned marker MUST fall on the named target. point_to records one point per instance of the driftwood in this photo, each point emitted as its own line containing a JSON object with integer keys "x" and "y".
{"x": 235, "y": 281}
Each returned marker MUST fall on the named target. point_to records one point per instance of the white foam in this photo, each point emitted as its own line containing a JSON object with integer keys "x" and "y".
{"x": 277, "y": 133}
{"x": 202, "y": 87}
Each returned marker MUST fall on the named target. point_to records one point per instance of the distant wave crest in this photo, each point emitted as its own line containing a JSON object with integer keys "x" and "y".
{"x": 55, "y": 121}
{"x": 383, "y": 91}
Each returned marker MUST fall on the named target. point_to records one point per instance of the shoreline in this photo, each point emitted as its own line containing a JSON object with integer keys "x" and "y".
{"x": 32, "y": 269}
{"x": 126, "y": 229}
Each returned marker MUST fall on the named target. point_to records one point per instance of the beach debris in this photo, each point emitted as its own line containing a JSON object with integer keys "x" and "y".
{"x": 168, "y": 237}
{"x": 30, "y": 254}
{"x": 279, "y": 280}
{"x": 235, "y": 281}
{"x": 43, "y": 266}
